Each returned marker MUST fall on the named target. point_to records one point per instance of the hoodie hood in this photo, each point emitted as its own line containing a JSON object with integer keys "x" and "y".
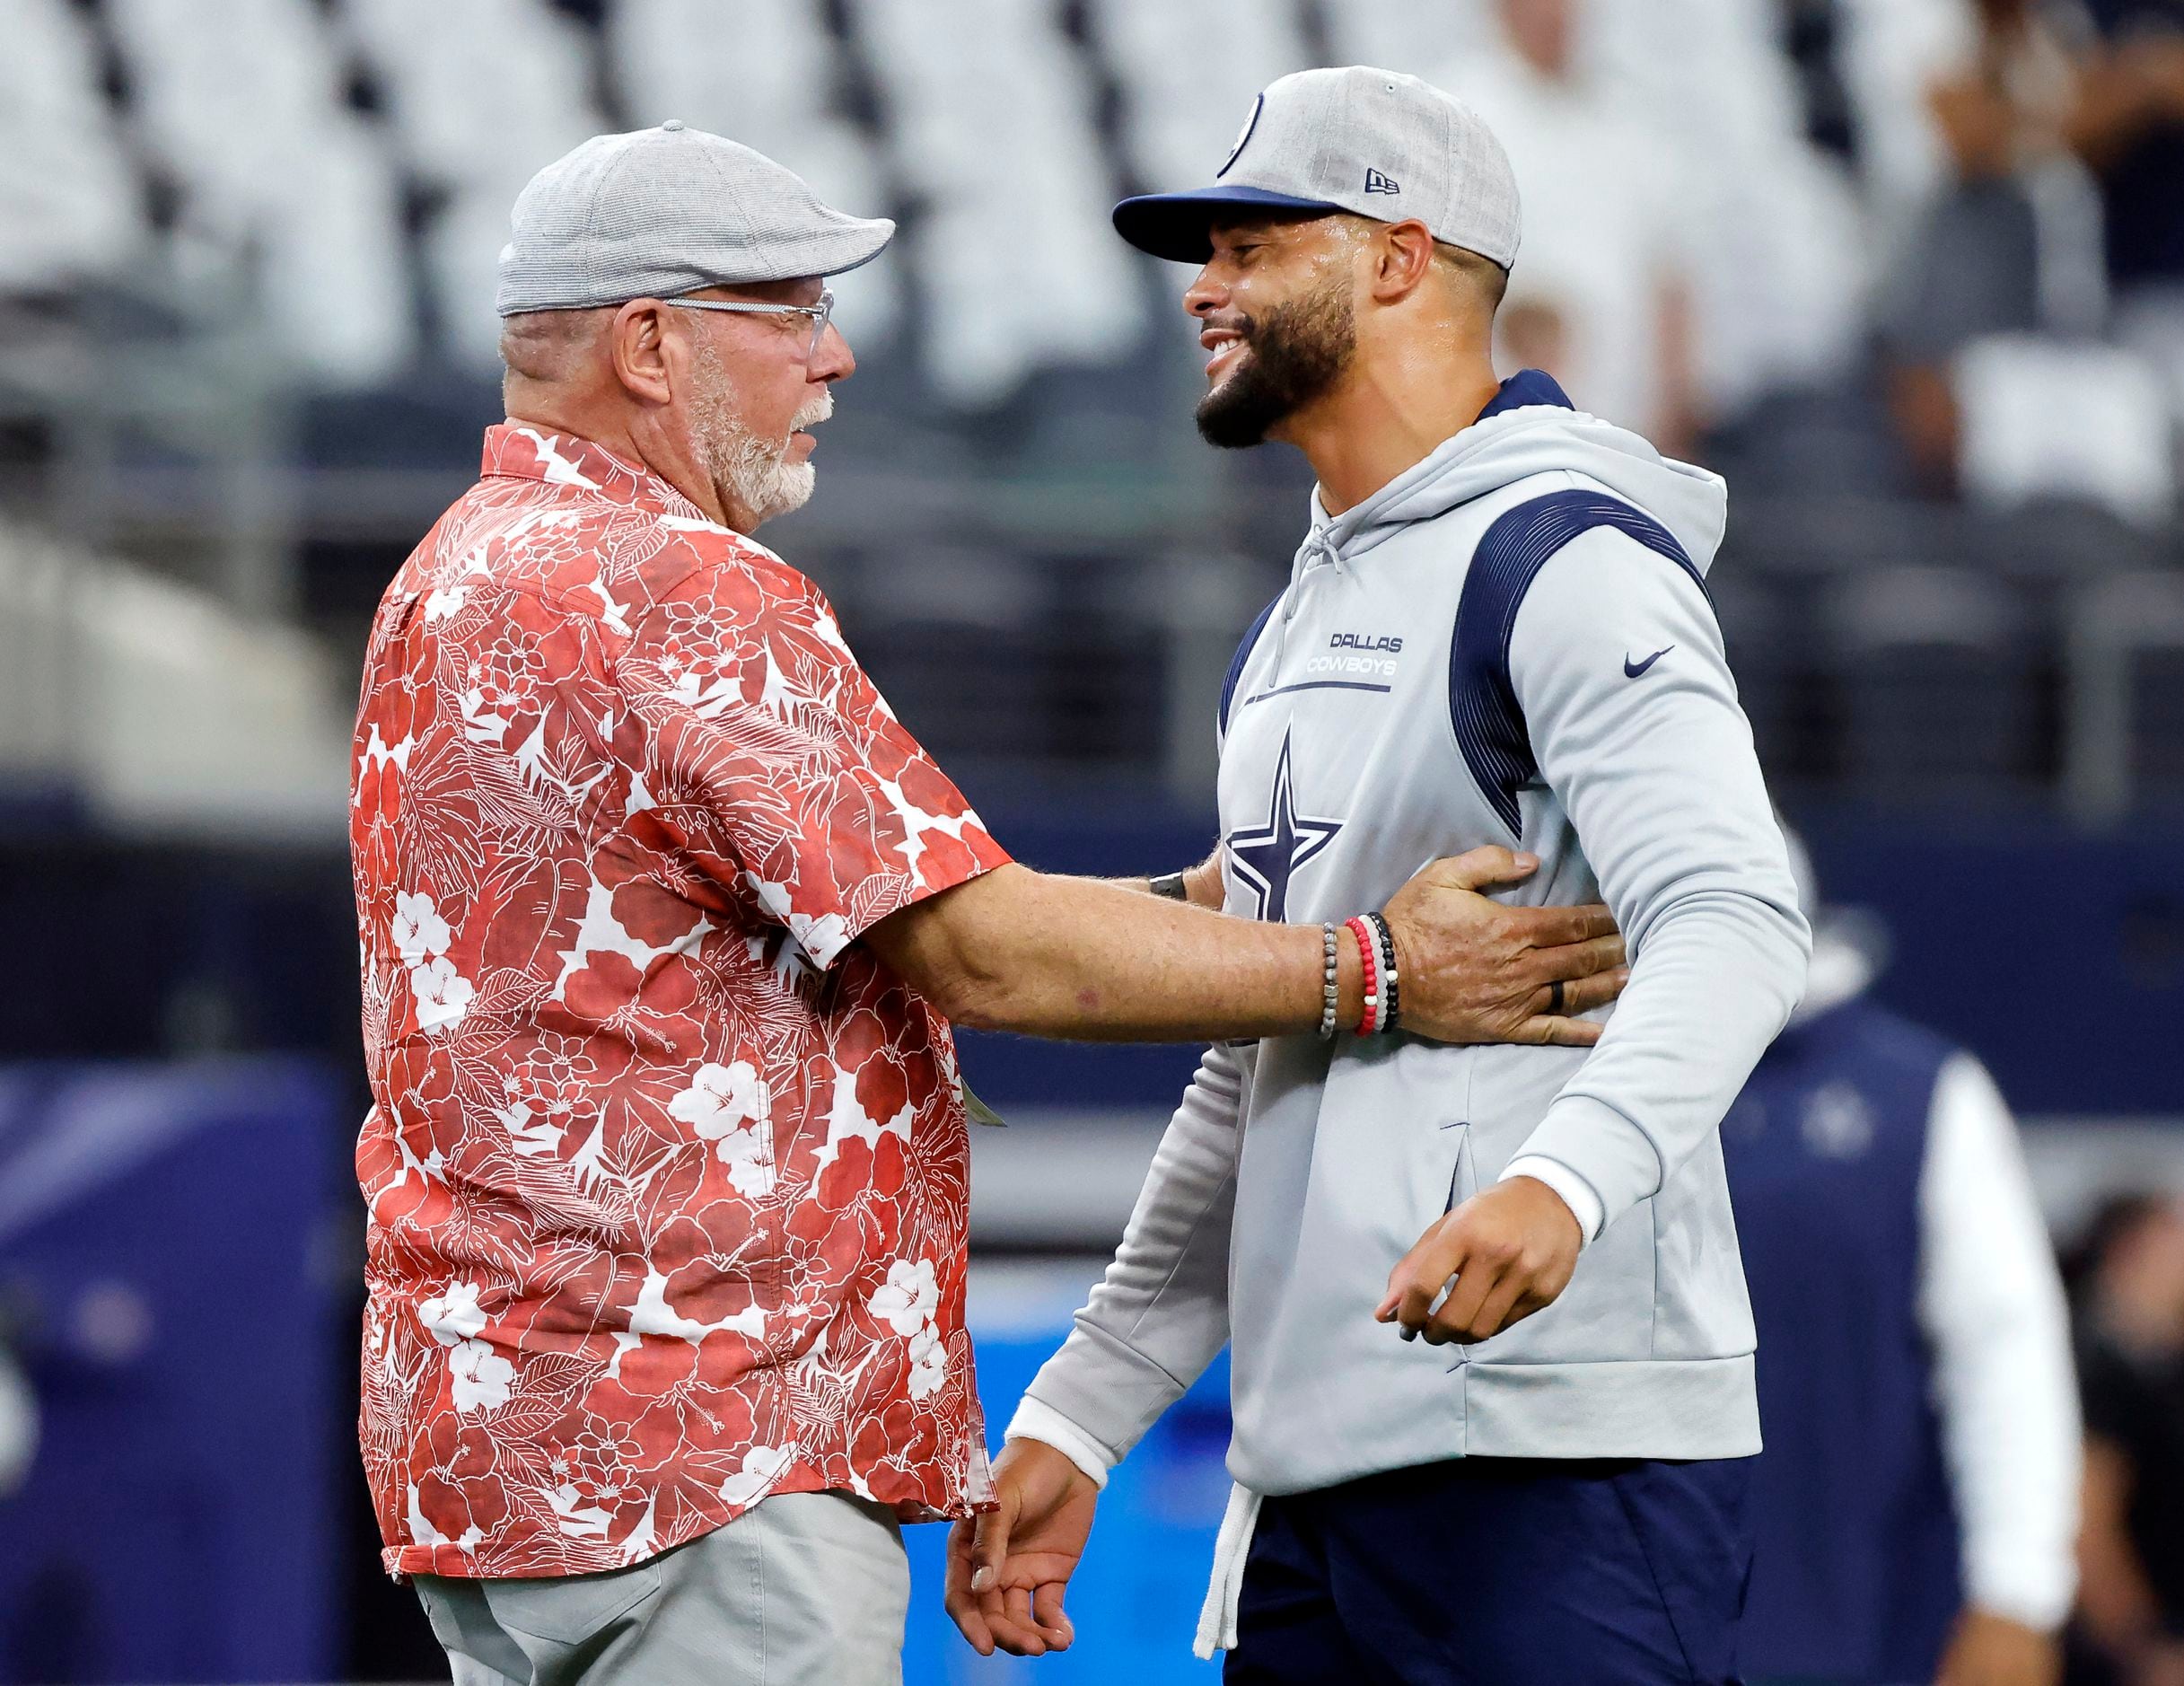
{"x": 1529, "y": 428}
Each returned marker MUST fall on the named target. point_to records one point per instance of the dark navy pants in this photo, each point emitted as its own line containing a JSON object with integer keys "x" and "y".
{"x": 1500, "y": 1572}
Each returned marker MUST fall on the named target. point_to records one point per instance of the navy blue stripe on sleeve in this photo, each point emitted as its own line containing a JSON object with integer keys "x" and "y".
{"x": 1243, "y": 654}
{"x": 1482, "y": 702}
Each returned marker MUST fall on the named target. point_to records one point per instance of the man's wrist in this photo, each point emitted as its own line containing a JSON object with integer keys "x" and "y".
{"x": 1576, "y": 1192}
{"x": 1035, "y": 1420}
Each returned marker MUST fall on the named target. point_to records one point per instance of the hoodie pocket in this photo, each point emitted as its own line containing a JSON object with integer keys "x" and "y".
{"x": 1463, "y": 1179}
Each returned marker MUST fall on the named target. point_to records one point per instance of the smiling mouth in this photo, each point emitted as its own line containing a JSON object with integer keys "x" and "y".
{"x": 1223, "y": 347}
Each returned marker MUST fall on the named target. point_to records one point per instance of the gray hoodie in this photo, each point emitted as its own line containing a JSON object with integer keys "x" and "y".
{"x": 1511, "y": 643}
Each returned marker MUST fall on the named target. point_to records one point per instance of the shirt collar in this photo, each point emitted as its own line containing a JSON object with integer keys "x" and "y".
{"x": 517, "y": 451}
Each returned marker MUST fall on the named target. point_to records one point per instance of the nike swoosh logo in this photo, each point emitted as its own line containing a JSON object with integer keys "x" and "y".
{"x": 1632, "y": 670}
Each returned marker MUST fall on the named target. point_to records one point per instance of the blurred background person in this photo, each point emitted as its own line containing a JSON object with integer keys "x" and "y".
{"x": 2128, "y": 124}
{"x": 1601, "y": 298}
{"x": 2131, "y": 1360}
{"x": 1915, "y": 1506}
{"x": 2011, "y": 240}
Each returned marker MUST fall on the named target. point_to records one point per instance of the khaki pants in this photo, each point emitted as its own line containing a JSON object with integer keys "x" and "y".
{"x": 805, "y": 1589}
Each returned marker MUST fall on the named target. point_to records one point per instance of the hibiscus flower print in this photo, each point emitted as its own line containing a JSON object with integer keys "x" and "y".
{"x": 732, "y": 1107}
{"x": 443, "y": 996}
{"x": 910, "y": 1297}
{"x": 762, "y": 1466}
{"x": 481, "y": 1376}
{"x": 454, "y": 1316}
{"x": 720, "y": 1098}
{"x": 928, "y": 1363}
{"x": 418, "y": 930}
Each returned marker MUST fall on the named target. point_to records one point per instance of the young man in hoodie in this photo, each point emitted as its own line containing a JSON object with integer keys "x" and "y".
{"x": 1497, "y": 630}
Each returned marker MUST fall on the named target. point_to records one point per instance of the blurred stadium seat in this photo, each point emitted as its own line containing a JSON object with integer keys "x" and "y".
{"x": 775, "y": 83}
{"x": 2043, "y": 417}
{"x": 1013, "y": 349}
{"x": 1935, "y": 689}
{"x": 73, "y": 207}
{"x": 305, "y": 193}
{"x": 2125, "y": 694}
{"x": 478, "y": 93}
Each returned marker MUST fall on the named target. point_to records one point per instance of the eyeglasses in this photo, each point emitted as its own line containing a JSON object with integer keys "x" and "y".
{"x": 820, "y": 313}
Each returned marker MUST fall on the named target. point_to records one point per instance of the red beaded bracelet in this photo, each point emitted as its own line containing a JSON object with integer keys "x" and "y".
{"x": 1368, "y": 954}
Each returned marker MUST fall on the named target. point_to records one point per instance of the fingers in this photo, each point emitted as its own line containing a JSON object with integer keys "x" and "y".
{"x": 1543, "y": 1031}
{"x": 989, "y": 1547}
{"x": 1476, "y": 868}
{"x": 1418, "y": 1277}
{"x": 1597, "y": 991}
{"x": 1461, "y": 1310}
{"x": 1054, "y": 1625}
{"x": 1487, "y": 1316}
{"x": 960, "y": 1601}
{"x": 1556, "y": 927}
{"x": 1572, "y": 961}
{"x": 1579, "y": 996}
{"x": 1019, "y": 1634}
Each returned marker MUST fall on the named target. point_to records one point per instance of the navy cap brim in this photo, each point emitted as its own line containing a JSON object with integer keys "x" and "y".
{"x": 1176, "y": 226}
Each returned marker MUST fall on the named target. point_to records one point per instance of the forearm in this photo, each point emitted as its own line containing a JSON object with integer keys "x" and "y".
{"x": 1091, "y": 961}
{"x": 1658, "y": 778}
{"x": 1160, "y": 1314}
{"x": 1713, "y": 986}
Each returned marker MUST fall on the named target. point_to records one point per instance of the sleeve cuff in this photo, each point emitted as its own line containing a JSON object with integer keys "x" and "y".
{"x": 1576, "y": 1193}
{"x": 1606, "y": 1151}
{"x": 1041, "y": 1422}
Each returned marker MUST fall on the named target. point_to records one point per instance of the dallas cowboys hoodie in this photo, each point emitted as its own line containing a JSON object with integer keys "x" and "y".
{"x": 1510, "y": 643}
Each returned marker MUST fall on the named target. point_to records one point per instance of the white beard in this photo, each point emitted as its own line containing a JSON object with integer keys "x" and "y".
{"x": 748, "y": 473}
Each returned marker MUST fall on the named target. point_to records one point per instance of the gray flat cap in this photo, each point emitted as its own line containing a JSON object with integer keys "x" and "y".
{"x": 1374, "y": 142}
{"x": 665, "y": 211}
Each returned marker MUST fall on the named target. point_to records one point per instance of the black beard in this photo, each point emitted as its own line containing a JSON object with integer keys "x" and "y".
{"x": 1298, "y": 351}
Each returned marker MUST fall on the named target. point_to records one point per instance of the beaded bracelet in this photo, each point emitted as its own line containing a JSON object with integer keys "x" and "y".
{"x": 1368, "y": 954}
{"x": 1390, "y": 980}
{"x": 1331, "y": 991}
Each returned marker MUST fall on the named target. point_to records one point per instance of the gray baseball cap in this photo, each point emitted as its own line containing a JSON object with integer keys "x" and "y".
{"x": 661, "y": 212}
{"x": 1374, "y": 142}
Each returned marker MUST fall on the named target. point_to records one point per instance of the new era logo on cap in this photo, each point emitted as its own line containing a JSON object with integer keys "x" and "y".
{"x": 1376, "y": 182}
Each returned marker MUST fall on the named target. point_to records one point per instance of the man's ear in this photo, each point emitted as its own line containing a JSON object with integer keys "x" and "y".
{"x": 642, "y": 350}
{"x": 1402, "y": 258}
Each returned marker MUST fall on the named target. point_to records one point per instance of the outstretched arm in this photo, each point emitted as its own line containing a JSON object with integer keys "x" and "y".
{"x": 1090, "y": 959}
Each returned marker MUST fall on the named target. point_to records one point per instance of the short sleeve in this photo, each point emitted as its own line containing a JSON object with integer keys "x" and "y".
{"x": 760, "y": 750}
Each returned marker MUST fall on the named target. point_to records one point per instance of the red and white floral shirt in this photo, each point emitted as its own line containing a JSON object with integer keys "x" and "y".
{"x": 666, "y": 1176}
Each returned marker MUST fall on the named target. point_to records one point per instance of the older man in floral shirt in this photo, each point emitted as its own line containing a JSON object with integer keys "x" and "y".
{"x": 666, "y": 1167}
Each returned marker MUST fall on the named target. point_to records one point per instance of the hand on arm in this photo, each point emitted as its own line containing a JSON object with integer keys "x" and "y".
{"x": 1077, "y": 958}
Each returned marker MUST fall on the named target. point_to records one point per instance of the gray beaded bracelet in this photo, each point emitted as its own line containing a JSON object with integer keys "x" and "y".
{"x": 1330, "y": 993}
